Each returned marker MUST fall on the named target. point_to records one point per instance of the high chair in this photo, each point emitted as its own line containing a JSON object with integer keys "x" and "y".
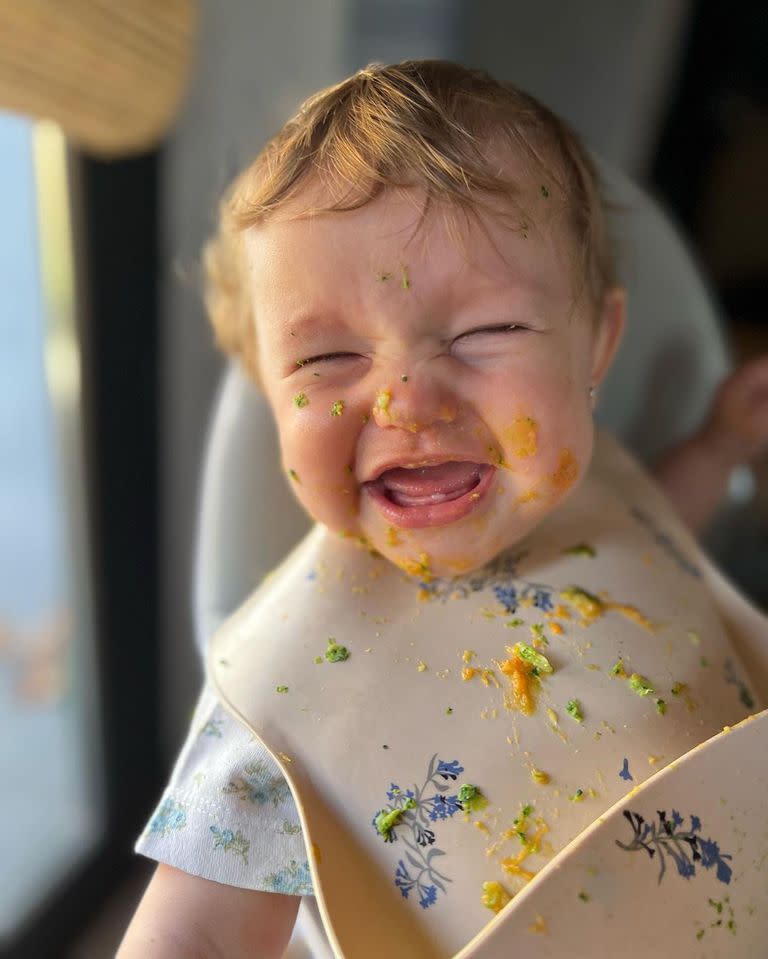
{"x": 659, "y": 388}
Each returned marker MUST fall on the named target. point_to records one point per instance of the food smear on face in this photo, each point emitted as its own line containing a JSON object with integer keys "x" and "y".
{"x": 392, "y": 537}
{"x": 522, "y": 436}
{"x": 383, "y": 399}
{"x": 338, "y": 408}
{"x": 294, "y": 475}
{"x": 566, "y": 472}
{"x": 420, "y": 567}
{"x": 301, "y": 400}
{"x": 494, "y": 896}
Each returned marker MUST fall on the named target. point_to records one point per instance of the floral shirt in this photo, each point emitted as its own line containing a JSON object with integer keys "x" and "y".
{"x": 227, "y": 813}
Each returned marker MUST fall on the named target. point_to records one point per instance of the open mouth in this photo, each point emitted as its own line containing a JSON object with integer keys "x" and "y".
{"x": 431, "y": 495}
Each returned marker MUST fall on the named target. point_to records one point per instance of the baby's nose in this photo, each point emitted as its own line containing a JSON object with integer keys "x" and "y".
{"x": 414, "y": 403}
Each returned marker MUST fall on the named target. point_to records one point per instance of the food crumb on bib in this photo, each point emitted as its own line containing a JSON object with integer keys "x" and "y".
{"x": 494, "y": 896}
{"x": 538, "y": 925}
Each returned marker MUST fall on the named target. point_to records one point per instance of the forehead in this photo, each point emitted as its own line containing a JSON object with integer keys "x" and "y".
{"x": 436, "y": 248}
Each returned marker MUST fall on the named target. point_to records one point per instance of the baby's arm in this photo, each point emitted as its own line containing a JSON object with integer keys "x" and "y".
{"x": 695, "y": 473}
{"x": 185, "y": 917}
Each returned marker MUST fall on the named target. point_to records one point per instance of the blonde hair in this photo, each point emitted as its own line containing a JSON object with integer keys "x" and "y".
{"x": 428, "y": 123}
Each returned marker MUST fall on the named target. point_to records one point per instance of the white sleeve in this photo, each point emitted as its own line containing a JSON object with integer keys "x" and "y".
{"x": 227, "y": 813}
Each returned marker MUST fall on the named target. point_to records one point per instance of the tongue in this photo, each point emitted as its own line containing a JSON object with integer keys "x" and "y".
{"x": 425, "y": 484}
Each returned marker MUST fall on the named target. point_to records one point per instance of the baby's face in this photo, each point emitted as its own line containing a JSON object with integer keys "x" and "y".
{"x": 429, "y": 396}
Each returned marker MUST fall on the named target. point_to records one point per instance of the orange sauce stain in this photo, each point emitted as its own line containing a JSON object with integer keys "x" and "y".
{"x": 392, "y": 538}
{"x": 519, "y": 673}
{"x": 522, "y": 436}
{"x": 566, "y": 472}
{"x": 528, "y": 496}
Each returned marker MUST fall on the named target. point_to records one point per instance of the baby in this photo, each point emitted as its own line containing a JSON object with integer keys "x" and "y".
{"x": 416, "y": 272}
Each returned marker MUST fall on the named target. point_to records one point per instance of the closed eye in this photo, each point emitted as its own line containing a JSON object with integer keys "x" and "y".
{"x": 321, "y": 357}
{"x": 505, "y": 328}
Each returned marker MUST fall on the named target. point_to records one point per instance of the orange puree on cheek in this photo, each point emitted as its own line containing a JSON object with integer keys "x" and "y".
{"x": 566, "y": 472}
{"x": 521, "y": 435}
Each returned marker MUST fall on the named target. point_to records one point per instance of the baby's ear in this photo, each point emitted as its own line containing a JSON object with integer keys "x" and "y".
{"x": 613, "y": 314}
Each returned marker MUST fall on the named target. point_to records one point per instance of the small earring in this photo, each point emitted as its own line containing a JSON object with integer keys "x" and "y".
{"x": 593, "y": 396}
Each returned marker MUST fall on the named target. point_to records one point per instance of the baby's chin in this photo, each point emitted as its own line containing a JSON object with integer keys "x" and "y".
{"x": 448, "y": 551}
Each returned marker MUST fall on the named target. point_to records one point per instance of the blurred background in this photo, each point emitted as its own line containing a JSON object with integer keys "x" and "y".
{"x": 109, "y": 188}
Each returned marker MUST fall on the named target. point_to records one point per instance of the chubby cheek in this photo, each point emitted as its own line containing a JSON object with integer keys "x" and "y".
{"x": 543, "y": 438}
{"x": 317, "y": 448}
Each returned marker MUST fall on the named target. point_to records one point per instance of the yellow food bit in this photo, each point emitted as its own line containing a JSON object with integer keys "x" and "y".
{"x": 467, "y": 655}
{"x": 418, "y": 568}
{"x": 588, "y": 605}
{"x": 631, "y": 612}
{"x": 294, "y": 475}
{"x": 552, "y": 716}
{"x": 392, "y": 538}
{"x": 405, "y": 282}
{"x": 479, "y": 824}
{"x": 522, "y": 436}
{"x": 527, "y": 496}
{"x": 421, "y": 667}
{"x": 540, "y": 777}
{"x": 694, "y": 637}
{"x": 469, "y": 672}
{"x": 556, "y": 628}
{"x": 338, "y": 408}
{"x": 495, "y": 896}
{"x": 383, "y": 399}
{"x": 538, "y": 925}
{"x": 301, "y": 400}
{"x": 488, "y": 677}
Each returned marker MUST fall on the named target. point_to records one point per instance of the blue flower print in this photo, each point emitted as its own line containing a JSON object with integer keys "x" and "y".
{"x": 543, "y": 600}
{"x": 443, "y": 807}
{"x": 451, "y": 770}
{"x": 170, "y": 816}
{"x": 625, "y": 773}
{"x": 294, "y": 880}
{"x": 711, "y": 856}
{"x": 424, "y": 837}
{"x": 259, "y": 785}
{"x": 507, "y": 596}
{"x": 665, "y": 838}
{"x": 731, "y": 676}
{"x": 428, "y": 897}
{"x": 211, "y": 728}
{"x": 229, "y": 841}
{"x": 403, "y": 880}
{"x": 414, "y": 809}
